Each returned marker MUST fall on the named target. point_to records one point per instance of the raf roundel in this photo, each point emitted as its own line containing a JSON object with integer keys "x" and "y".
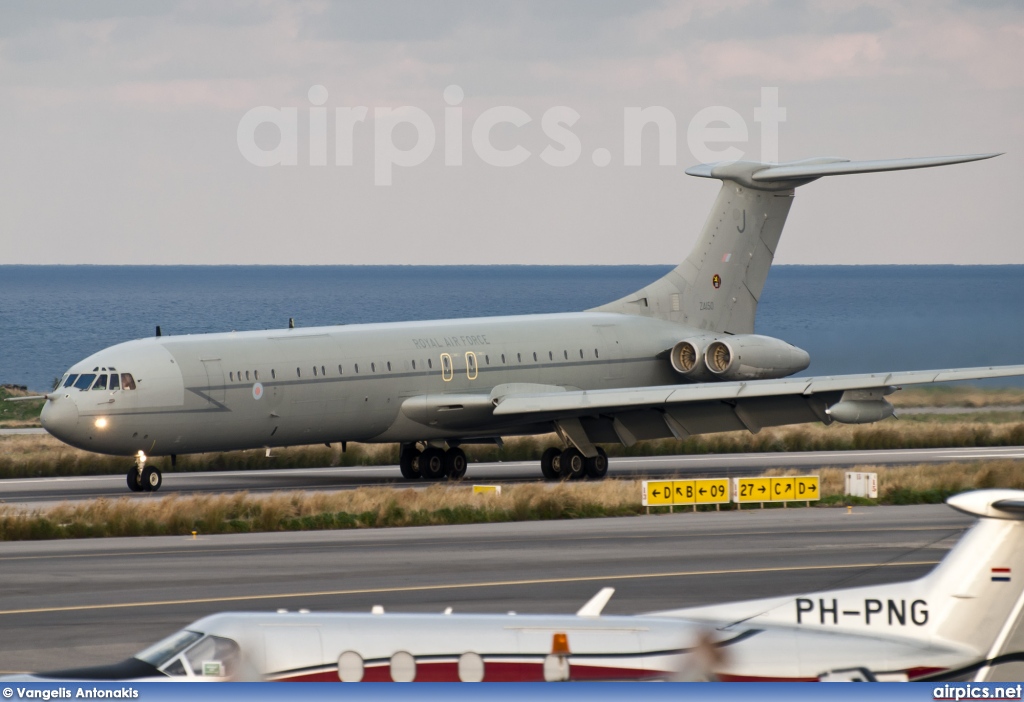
{"x": 716, "y": 280}
{"x": 257, "y": 391}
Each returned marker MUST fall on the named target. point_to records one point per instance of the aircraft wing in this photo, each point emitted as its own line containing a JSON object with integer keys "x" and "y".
{"x": 629, "y": 414}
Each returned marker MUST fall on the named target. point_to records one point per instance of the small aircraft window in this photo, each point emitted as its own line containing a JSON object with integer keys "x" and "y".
{"x": 273, "y": 373}
{"x": 166, "y": 649}
{"x": 581, "y": 353}
{"x": 314, "y": 371}
{"x": 85, "y": 380}
{"x": 357, "y": 368}
{"x": 430, "y": 363}
{"x": 389, "y": 365}
{"x": 339, "y": 370}
{"x": 566, "y": 354}
{"x": 247, "y": 375}
{"x": 551, "y": 355}
{"x": 519, "y": 358}
{"x": 128, "y": 382}
{"x": 176, "y": 668}
{"x": 534, "y": 356}
{"x": 213, "y": 656}
{"x": 71, "y": 380}
{"x": 231, "y": 376}
{"x": 256, "y": 375}
{"x": 414, "y": 364}
{"x": 502, "y": 358}
{"x": 596, "y": 354}
{"x": 114, "y": 385}
{"x": 298, "y": 373}
{"x": 373, "y": 367}
{"x": 487, "y": 359}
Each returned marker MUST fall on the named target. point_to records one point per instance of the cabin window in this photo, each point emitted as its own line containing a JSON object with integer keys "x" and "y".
{"x": 373, "y": 367}
{"x": 231, "y": 376}
{"x": 298, "y": 373}
{"x": 70, "y": 382}
{"x": 101, "y": 383}
{"x": 534, "y": 356}
{"x": 357, "y": 368}
{"x": 596, "y": 354}
{"x": 256, "y": 375}
{"x": 581, "y": 353}
{"x": 503, "y": 358}
{"x": 114, "y": 385}
{"x": 566, "y": 354}
{"x": 273, "y": 374}
{"x": 519, "y": 358}
{"x": 128, "y": 382}
{"x": 430, "y": 363}
{"x": 389, "y": 365}
{"x": 414, "y": 365}
{"x": 471, "y": 369}
{"x": 314, "y": 371}
{"x": 487, "y": 359}
{"x": 323, "y": 371}
{"x": 339, "y": 370}
{"x": 247, "y": 375}
{"x": 447, "y": 369}
{"x": 551, "y": 355}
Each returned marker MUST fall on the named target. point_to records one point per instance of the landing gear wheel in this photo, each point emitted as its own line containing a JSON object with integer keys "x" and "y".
{"x": 455, "y": 463}
{"x": 151, "y": 479}
{"x": 597, "y": 467}
{"x": 409, "y": 463}
{"x": 549, "y": 463}
{"x": 134, "y": 481}
{"x": 432, "y": 464}
{"x": 572, "y": 464}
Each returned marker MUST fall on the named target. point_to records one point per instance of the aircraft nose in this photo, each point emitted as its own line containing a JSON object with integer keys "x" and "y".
{"x": 59, "y": 416}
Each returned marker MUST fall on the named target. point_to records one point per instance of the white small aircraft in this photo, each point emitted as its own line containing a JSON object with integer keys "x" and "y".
{"x": 953, "y": 623}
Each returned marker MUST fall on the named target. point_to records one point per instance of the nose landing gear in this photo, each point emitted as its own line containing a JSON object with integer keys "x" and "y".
{"x": 143, "y": 478}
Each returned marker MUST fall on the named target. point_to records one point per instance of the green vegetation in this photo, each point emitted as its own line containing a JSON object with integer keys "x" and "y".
{"x": 19, "y": 414}
{"x": 367, "y": 508}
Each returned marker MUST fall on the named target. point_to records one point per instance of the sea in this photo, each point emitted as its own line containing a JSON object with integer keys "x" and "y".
{"x": 851, "y": 319}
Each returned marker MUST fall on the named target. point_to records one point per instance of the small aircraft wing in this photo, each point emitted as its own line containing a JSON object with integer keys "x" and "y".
{"x": 626, "y": 415}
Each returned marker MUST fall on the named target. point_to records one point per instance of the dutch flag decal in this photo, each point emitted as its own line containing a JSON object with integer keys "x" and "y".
{"x": 1000, "y": 575}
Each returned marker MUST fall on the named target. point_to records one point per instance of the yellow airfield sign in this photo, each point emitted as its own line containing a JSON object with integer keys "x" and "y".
{"x": 685, "y": 492}
{"x": 753, "y": 490}
{"x": 807, "y": 487}
{"x": 802, "y": 488}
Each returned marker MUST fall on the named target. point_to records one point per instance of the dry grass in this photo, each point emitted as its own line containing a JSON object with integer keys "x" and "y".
{"x": 42, "y": 455}
{"x": 442, "y": 504}
{"x": 956, "y": 396}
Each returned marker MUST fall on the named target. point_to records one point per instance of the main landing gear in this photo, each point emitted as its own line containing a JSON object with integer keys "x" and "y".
{"x": 432, "y": 463}
{"x": 143, "y": 478}
{"x": 571, "y": 464}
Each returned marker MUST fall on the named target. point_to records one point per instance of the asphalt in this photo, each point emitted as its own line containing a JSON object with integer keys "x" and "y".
{"x": 36, "y": 492}
{"x": 70, "y": 603}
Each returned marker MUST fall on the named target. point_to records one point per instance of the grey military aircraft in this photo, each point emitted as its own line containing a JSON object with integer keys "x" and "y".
{"x": 676, "y": 358}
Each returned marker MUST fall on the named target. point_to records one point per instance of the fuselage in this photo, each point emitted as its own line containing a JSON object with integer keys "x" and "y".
{"x": 238, "y": 390}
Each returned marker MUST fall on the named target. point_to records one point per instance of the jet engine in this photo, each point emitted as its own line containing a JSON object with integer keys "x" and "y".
{"x": 752, "y": 357}
{"x": 687, "y": 358}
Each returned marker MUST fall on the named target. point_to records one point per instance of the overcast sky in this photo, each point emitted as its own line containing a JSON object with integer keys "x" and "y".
{"x": 120, "y": 128}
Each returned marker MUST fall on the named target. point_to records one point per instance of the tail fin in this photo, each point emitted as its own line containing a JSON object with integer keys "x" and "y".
{"x": 718, "y": 286}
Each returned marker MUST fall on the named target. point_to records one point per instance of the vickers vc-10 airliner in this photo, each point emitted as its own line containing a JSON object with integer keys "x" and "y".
{"x": 676, "y": 358}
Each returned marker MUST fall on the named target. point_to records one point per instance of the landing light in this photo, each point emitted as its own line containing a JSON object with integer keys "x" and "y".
{"x": 101, "y": 422}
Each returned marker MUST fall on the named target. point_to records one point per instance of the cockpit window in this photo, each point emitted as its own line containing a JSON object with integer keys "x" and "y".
{"x": 101, "y": 383}
{"x": 85, "y": 380}
{"x": 71, "y": 380}
{"x": 114, "y": 385}
{"x": 127, "y": 381}
{"x": 163, "y": 651}
{"x": 214, "y": 656}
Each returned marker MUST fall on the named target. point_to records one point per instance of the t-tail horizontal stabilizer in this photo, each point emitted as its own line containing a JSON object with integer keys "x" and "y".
{"x": 772, "y": 176}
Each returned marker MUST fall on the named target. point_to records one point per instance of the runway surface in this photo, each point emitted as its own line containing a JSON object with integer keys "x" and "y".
{"x": 39, "y": 491}
{"x": 67, "y": 603}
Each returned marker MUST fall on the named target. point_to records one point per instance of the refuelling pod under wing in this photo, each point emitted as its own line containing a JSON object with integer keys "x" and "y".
{"x": 754, "y": 357}
{"x": 862, "y": 406}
